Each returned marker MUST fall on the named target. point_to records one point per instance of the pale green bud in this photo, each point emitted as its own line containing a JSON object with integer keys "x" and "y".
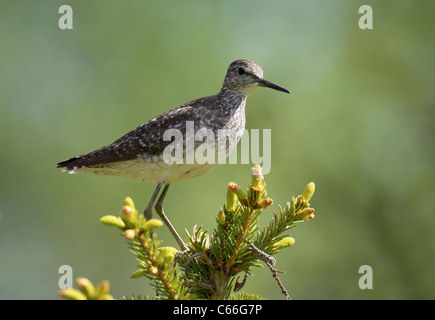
{"x": 129, "y": 213}
{"x": 284, "y": 243}
{"x": 239, "y": 192}
{"x": 102, "y": 288}
{"x": 110, "y": 220}
{"x": 138, "y": 273}
{"x": 221, "y": 218}
{"x": 168, "y": 254}
{"x": 86, "y": 287}
{"x": 72, "y": 294}
{"x": 152, "y": 224}
{"x": 129, "y": 202}
{"x": 232, "y": 196}
{"x": 308, "y": 191}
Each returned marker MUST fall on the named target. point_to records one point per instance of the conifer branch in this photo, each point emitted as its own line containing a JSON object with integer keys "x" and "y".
{"x": 210, "y": 268}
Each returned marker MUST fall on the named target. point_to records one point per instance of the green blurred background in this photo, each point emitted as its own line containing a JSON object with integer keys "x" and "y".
{"x": 359, "y": 123}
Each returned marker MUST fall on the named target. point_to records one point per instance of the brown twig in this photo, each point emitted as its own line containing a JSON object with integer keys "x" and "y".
{"x": 270, "y": 261}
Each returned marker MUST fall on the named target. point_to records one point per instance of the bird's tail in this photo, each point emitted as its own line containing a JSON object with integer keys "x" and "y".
{"x": 71, "y": 164}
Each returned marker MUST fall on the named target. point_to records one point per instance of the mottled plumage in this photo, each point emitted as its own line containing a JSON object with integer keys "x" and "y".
{"x": 139, "y": 153}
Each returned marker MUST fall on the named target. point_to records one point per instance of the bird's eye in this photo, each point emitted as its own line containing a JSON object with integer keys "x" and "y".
{"x": 241, "y": 71}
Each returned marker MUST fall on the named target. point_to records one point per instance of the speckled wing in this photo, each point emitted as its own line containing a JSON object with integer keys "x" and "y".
{"x": 147, "y": 139}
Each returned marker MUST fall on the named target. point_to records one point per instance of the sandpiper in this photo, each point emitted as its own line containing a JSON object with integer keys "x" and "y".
{"x": 140, "y": 153}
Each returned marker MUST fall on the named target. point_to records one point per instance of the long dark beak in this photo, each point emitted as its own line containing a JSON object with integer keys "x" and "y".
{"x": 265, "y": 83}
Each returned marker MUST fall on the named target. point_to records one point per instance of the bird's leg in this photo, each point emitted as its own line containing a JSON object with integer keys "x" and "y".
{"x": 159, "y": 209}
{"x": 149, "y": 209}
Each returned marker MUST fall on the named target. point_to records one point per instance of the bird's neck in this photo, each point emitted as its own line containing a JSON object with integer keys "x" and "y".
{"x": 232, "y": 94}
{"x": 231, "y": 100}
